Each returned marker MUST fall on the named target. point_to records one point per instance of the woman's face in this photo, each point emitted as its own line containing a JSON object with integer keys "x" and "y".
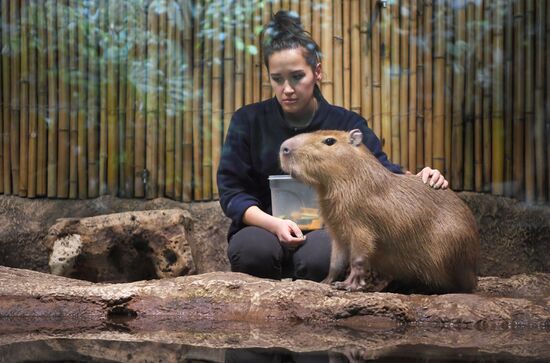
{"x": 293, "y": 81}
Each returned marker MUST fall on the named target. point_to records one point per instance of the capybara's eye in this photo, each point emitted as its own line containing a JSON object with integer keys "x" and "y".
{"x": 329, "y": 141}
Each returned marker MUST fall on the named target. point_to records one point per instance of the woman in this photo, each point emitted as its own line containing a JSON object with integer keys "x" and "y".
{"x": 259, "y": 243}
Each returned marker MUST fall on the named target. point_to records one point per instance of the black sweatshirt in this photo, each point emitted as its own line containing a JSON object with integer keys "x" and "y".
{"x": 251, "y": 152}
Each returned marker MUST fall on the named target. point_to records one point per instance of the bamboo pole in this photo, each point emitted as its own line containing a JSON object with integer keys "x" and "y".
{"x": 63, "y": 151}
{"x": 197, "y": 96}
{"x": 498, "y": 100}
{"x": 385, "y": 69}
{"x": 337, "y": 51}
{"x": 395, "y": 73}
{"x": 132, "y": 78}
{"x": 229, "y": 66}
{"x": 103, "y": 89}
{"x": 51, "y": 15}
{"x": 239, "y": 54}
{"x": 438, "y": 119}
{"x": 142, "y": 75}
{"x": 173, "y": 138}
{"x": 82, "y": 146}
{"x": 295, "y": 6}
{"x": 42, "y": 89}
{"x": 327, "y": 82}
{"x": 457, "y": 157}
{"x": 305, "y": 14}
{"x": 316, "y": 22}
{"x": 357, "y": 85}
{"x": 366, "y": 60}
{"x": 152, "y": 104}
{"x": 487, "y": 100}
{"x": 541, "y": 165}
{"x": 230, "y": 59}
{"x": 478, "y": 97}
{"x": 162, "y": 86}
{"x": 15, "y": 93}
{"x": 121, "y": 68}
{"x": 449, "y": 72}
{"x": 428, "y": 93}
{"x": 404, "y": 67}
{"x": 419, "y": 89}
{"x": 248, "y": 61}
{"x": 412, "y": 119}
{"x": 508, "y": 96}
{"x": 5, "y": 54}
{"x": 469, "y": 101}
{"x": 32, "y": 163}
{"x": 217, "y": 87}
{"x": 6, "y": 98}
{"x": 112, "y": 102}
{"x": 207, "y": 101}
{"x": 188, "y": 105}
{"x": 74, "y": 78}
{"x": 347, "y": 53}
{"x": 374, "y": 26}
{"x": 530, "y": 192}
{"x": 547, "y": 103}
{"x": 179, "y": 97}
{"x": 257, "y": 18}
{"x": 23, "y": 152}
{"x": 92, "y": 104}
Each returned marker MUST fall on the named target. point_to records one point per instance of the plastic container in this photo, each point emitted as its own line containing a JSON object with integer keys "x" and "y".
{"x": 291, "y": 199}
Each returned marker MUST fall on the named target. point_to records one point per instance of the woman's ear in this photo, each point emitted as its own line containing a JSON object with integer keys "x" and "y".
{"x": 318, "y": 72}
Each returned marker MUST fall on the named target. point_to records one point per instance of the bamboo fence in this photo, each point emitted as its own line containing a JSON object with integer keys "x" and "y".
{"x": 134, "y": 98}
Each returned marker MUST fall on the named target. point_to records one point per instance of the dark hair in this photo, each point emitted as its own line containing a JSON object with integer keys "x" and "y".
{"x": 285, "y": 31}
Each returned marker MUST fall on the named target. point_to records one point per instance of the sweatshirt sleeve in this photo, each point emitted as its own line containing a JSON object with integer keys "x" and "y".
{"x": 234, "y": 176}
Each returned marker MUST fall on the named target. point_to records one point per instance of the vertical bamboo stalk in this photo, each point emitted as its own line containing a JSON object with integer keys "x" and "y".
{"x": 547, "y": 103}
{"x": 51, "y": 15}
{"x": 15, "y": 92}
{"x": 412, "y": 130}
{"x": 121, "y": 68}
{"x": 305, "y": 14}
{"x": 478, "y": 97}
{"x": 63, "y": 151}
{"x": 112, "y": 100}
{"x": 188, "y": 106}
{"x": 229, "y": 67}
{"x": 419, "y": 89}
{"x": 385, "y": 69}
{"x": 248, "y": 62}
{"x": 256, "y": 17}
{"x": 239, "y": 54}
{"x": 498, "y": 100}
{"x": 82, "y": 145}
{"x": 487, "y": 99}
{"x": 92, "y": 104}
{"x": 357, "y": 85}
{"x": 316, "y": 21}
{"x": 327, "y": 83}
{"x": 230, "y": 57}
{"x": 42, "y": 60}
{"x": 103, "y": 89}
{"x": 457, "y": 157}
{"x": 197, "y": 96}
{"x": 530, "y": 192}
{"x": 428, "y": 111}
{"x": 347, "y": 53}
{"x": 403, "y": 21}
{"x": 295, "y": 6}
{"x": 217, "y": 86}
{"x": 141, "y": 74}
{"x": 5, "y": 54}
{"x": 162, "y": 86}
{"x": 374, "y": 26}
{"x": 6, "y": 98}
{"x": 179, "y": 96}
{"x": 540, "y": 164}
{"x": 33, "y": 100}
{"x": 172, "y": 137}
{"x": 395, "y": 72}
{"x": 366, "y": 61}
{"x": 152, "y": 103}
{"x": 469, "y": 100}
{"x": 23, "y": 152}
{"x": 207, "y": 98}
{"x": 449, "y": 73}
{"x": 337, "y": 51}
{"x": 132, "y": 81}
{"x": 508, "y": 96}
{"x": 73, "y": 83}
{"x": 438, "y": 127}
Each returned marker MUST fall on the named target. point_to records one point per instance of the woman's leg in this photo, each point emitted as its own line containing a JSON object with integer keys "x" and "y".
{"x": 312, "y": 259}
{"x": 257, "y": 252}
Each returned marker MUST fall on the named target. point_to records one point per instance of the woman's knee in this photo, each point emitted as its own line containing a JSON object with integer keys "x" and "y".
{"x": 255, "y": 251}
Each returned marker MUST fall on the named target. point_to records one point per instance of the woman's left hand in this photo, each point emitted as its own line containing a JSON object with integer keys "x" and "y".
{"x": 433, "y": 178}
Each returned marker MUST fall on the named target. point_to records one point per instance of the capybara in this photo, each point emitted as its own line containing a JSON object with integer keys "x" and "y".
{"x": 419, "y": 238}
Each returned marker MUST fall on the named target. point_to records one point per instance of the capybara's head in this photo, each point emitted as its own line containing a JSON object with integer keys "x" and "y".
{"x": 322, "y": 156}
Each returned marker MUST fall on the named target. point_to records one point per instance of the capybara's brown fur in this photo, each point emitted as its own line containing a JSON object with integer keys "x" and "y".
{"x": 405, "y": 230}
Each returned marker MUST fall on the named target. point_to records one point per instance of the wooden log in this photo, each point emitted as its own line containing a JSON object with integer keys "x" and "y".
{"x": 530, "y": 183}
{"x": 498, "y": 103}
{"x": 51, "y": 26}
{"x": 438, "y": 119}
{"x": 93, "y": 99}
{"x": 403, "y": 20}
{"x": 458, "y": 102}
{"x": 327, "y": 82}
{"x": 337, "y": 53}
{"x": 140, "y": 69}
{"x": 395, "y": 75}
{"x": 152, "y": 104}
{"x": 23, "y": 152}
{"x": 15, "y": 107}
{"x": 42, "y": 98}
{"x": 357, "y": 85}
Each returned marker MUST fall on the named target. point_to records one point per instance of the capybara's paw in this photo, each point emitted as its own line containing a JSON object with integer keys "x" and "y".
{"x": 351, "y": 287}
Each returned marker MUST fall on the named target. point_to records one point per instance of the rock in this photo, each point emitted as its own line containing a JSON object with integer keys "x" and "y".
{"x": 127, "y": 246}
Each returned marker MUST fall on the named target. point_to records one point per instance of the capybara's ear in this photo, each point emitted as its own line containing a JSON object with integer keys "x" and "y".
{"x": 355, "y": 137}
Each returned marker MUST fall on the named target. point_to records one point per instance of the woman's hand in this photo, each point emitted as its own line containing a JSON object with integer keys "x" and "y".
{"x": 288, "y": 233}
{"x": 432, "y": 177}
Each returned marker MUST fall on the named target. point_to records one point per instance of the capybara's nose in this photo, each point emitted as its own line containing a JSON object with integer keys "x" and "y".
{"x": 286, "y": 148}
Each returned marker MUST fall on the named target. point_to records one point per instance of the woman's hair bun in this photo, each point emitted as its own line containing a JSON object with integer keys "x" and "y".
{"x": 284, "y": 24}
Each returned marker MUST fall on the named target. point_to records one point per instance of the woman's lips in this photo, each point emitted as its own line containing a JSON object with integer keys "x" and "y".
{"x": 290, "y": 101}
